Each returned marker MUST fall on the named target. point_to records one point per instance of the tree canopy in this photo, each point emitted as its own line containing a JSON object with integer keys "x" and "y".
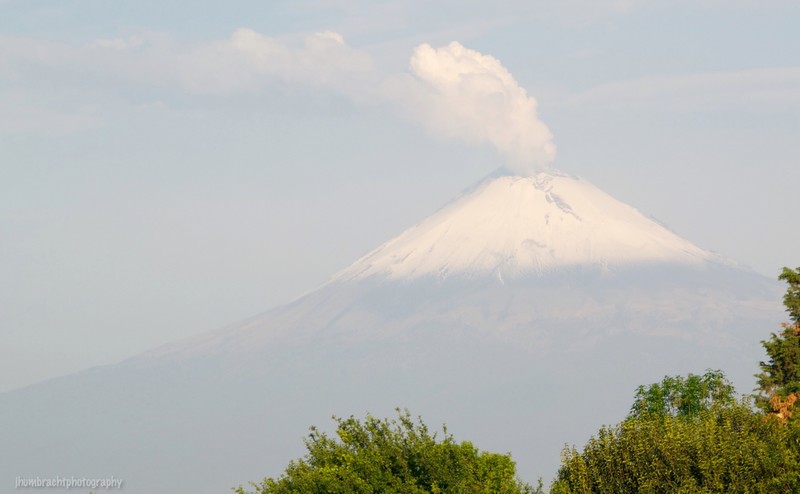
{"x": 392, "y": 456}
{"x": 686, "y": 435}
{"x": 731, "y": 449}
{"x": 792, "y": 297}
{"x": 680, "y": 396}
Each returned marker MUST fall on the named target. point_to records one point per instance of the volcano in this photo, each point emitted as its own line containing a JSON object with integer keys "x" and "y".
{"x": 509, "y": 226}
{"x": 523, "y": 314}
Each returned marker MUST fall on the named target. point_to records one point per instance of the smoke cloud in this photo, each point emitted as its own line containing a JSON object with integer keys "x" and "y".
{"x": 467, "y": 95}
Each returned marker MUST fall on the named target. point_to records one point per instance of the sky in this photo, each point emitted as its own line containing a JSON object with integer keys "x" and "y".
{"x": 170, "y": 168}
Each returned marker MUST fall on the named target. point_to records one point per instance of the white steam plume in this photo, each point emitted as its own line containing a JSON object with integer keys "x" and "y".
{"x": 468, "y": 95}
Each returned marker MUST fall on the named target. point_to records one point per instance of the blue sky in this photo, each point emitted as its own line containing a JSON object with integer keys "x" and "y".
{"x": 166, "y": 169}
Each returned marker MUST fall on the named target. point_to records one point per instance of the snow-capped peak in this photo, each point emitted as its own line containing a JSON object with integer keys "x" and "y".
{"x": 508, "y": 226}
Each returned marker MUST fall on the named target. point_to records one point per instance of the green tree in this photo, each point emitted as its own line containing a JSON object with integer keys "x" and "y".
{"x": 686, "y": 435}
{"x": 397, "y": 456}
{"x": 730, "y": 450}
{"x": 792, "y": 297}
{"x": 680, "y": 396}
{"x": 780, "y": 375}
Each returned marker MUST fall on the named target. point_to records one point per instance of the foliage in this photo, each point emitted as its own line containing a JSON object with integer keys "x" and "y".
{"x": 721, "y": 449}
{"x": 780, "y": 375}
{"x": 679, "y": 396}
{"x": 781, "y": 408}
{"x": 792, "y": 297}
{"x": 397, "y": 456}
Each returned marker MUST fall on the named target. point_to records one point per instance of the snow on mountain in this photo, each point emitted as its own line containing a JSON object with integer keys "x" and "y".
{"x": 520, "y": 255}
{"x": 510, "y": 226}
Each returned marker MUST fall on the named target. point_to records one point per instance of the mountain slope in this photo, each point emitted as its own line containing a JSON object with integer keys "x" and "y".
{"x": 520, "y": 254}
{"x": 523, "y": 314}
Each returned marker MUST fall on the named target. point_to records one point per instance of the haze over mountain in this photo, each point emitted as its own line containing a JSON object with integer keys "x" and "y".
{"x": 523, "y": 314}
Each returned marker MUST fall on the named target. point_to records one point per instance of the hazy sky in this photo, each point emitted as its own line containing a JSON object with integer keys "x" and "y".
{"x": 169, "y": 168}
